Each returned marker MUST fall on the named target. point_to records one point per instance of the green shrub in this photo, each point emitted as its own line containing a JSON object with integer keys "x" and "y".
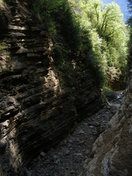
{"x": 3, "y": 46}
{"x": 90, "y": 30}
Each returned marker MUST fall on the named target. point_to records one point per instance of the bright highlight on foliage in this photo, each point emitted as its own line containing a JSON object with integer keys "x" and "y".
{"x": 95, "y": 31}
{"x": 2, "y": 4}
{"x": 108, "y": 36}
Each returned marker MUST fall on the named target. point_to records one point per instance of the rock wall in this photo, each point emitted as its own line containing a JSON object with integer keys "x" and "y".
{"x": 39, "y": 102}
{"x": 112, "y": 151}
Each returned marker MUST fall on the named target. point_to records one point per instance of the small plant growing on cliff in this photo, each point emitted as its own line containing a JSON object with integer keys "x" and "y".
{"x": 2, "y": 46}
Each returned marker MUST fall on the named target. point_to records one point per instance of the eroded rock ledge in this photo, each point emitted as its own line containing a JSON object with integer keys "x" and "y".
{"x": 38, "y": 103}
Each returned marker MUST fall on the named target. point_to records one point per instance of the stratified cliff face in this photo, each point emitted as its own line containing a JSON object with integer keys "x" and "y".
{"x": 39, "y": 102}
{"x": 113, "y": 149}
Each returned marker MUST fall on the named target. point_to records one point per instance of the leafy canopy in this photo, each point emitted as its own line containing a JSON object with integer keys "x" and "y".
{"x": 92, "y": 29}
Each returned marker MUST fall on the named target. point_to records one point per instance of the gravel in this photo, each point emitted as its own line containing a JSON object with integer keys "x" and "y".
{"x": 71, "y": 154}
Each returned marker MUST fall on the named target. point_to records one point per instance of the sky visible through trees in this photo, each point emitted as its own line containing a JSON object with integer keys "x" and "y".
{"x": 123, "y": 5}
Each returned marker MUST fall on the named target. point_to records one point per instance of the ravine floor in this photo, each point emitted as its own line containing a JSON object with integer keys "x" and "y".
{"x": 70, "y": 155}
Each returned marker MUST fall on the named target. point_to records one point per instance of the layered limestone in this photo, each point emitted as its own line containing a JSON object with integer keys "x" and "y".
{"x": 38, "y": 103}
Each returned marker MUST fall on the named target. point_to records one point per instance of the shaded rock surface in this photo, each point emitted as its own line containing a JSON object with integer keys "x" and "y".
{"x": 69, "y": 157}
{"x": 112, "y": 151}
{"x": 38, "y": 103}
{"x": 4, "y": 19}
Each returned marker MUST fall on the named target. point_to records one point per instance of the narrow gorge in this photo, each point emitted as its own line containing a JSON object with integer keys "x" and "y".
{"x": 54, "y": 118}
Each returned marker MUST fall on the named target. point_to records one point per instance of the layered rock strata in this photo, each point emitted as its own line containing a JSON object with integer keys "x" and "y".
{"x": 36, "y": 109}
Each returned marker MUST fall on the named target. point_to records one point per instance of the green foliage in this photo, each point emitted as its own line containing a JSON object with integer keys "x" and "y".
{"x": 58, "y": 14}
{"x": 90, "y": 30}
{"x": 70, "y": 27}
{"x": 45, "y": 10}
{"x": 106, "y": 90}
{"x": 3, "y": 46}
{"x": 106, "y": 33}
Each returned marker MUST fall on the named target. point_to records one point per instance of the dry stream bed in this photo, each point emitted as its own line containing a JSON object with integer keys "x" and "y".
{"x": 70, "y": 156}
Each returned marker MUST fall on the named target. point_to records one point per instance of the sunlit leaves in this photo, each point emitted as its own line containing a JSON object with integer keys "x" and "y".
{"x": 106, "y": 32}
{"x": 93, "y": 29}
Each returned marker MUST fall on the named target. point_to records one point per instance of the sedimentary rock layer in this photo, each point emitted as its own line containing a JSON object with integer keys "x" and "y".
{"x": 38, "y": 103}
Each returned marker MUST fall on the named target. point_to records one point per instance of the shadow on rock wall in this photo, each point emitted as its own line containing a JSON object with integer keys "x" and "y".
{"x": 38, "y": 105}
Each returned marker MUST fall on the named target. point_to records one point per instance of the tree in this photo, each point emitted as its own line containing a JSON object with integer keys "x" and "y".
{"x": 106, "y": 32}
{"x": 93, "y": 29}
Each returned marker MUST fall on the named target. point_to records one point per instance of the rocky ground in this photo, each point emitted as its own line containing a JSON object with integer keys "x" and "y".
{"x": 69, "y": 157}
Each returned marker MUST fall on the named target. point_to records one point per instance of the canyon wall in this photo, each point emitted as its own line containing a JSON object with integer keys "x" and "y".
{"x": 112, "y": 151}
{"x": 41, "y": 95}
